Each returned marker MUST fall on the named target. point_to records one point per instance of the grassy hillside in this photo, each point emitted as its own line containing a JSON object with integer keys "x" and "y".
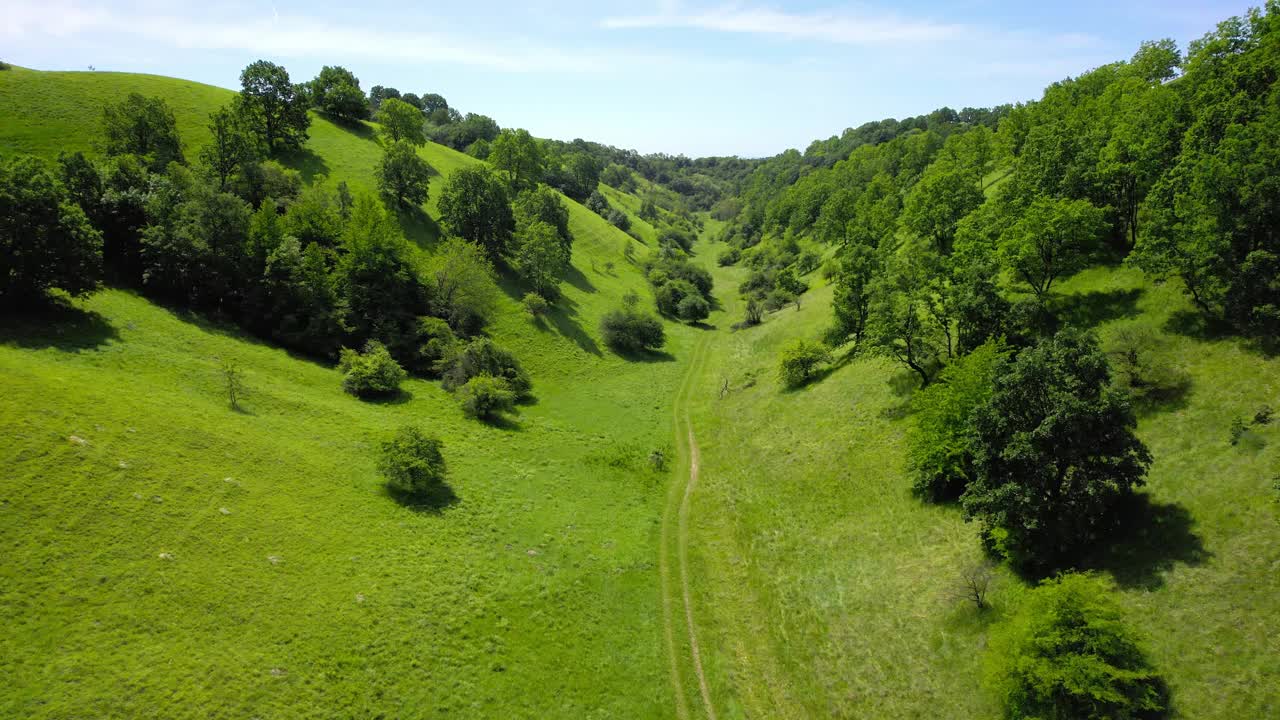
{"x": 827, "y": 590}
{"x": 168, "y": 556}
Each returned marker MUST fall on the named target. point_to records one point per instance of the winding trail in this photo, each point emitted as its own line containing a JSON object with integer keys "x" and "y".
{"x": 675, "y": 541}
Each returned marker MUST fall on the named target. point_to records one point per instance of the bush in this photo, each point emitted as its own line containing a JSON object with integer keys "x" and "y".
{"x": 755, "y": 312}
{"x": 483, "y": 357}
{"x": 1067, "y": 654}
{"x": 808, "y": 262}
{"x": 535, "y": 304}
{"x": 437, "y": 347}
{"x": 619, "y": 219}
{"x": 940, "y": 445}
{"x": 485, "y": 397}
{"x": 669, "y": 296}
{"x": 411, "y": 462}
{"x": 693, "y": 308}
{"x": 630, "y": 330}
{"x": 799, "y": 359}
{"x": 778, "y": 299}
{"x": 372, "y": 373}
{"x": 729, "y": 257}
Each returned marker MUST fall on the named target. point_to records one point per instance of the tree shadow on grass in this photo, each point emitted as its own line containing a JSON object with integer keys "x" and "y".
{"x": 1086, "y": 310}
{"x": 57, "y": 324}
{"x": 506, "y": 422}
{"x": 399, "y": 397}
{"x": 561, "y": 316}
{"x": 1199, "y": 326}
{"x": 418, "y": 227}
{"x": 1169, "y": 398}
{"x": 432, "y": 501}
{"x": 1155, "y": 537}
{"x": 308, "y": 164}
{"x": 575, "y": 278}
{"x": 359, "y": 128}
{"x": 645, "y": 356}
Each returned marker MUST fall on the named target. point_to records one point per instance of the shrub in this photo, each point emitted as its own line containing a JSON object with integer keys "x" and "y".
{"x": 808, "y": 262}
{"x": 372, "y": 373}
{"x": 437, "y": 346}
{"x": 535, "y": 304}
{"x": 619, "y": 219}
{"x": 483, "y": 357}
{"x": 1067, "y": 654}
{"x": 940, "y": 445}
{"x": 630, "y": 330}
{"x": 693, "y": 308}
{"x": 729, "y": 257}
{"x": 755, "y": 312}
{"x": 411, "y": 461}
{"x": 799, "y": 359}
{"x": 778, "y": 299}
{"x": 485, "y": 397}
{"x": 232, "y": 382}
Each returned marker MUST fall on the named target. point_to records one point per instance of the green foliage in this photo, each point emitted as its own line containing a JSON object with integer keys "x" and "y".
{"x": 940, "y": 444}
{"x": 274, "y": 108}
{"x": 729, "y": 256}
{"x": 631, "y": 331}
{"x": 463, "y": 285}
{"x": 484, "y": 357}
{"x": 401, "y": 122}
{"x": 852, "y": 301}
{"x": 403, "y": 175}
{"x": 144, "y": 127}
{"x": 543, "y": 204}
{"x": 619, "y": 219}
{"x": 372, "y": 373}
{"x": 902, "y": 319}
{"x": 231, "y": 148}
{"x": 437, "y": 347}
{"x": 46, "y": 241}
{"x": 1068, "y": 654}
{"x": 535, "y": 304}
{"x": 336, "y": 91}
{"x": 474, "y": 206}
{"x": 520, "y": 156}
{"x": 542, "y": 258}
{"x": 939, "y": 201}
{"x": 693, "y": 308}
{"x": 411, "y": 461}
{"x": 798, "y": 361}
{"x": 1052, "y": 238}
{"x": 486, "y": 397}
{"x": 1055, "y": 453}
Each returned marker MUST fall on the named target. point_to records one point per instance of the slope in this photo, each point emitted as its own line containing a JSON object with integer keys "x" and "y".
{"x": 533, "y": 592}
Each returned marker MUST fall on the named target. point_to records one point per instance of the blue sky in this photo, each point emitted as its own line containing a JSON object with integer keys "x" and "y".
{"x": 700, "y": 78}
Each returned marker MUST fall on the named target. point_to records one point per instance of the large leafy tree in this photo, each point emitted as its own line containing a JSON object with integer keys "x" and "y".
{"x": 1052, "y": 238}
{"x": 900, "y": 322}
{"x": 231, "y": 146}
{"x": 542, "y": 257}
{"x": 336, "y": 91}
{"x": 543, "y": 204}
{"x": 46, "y": 241}
{"x": 520, "y": 156}
{"x": 401, "y": 121}
{"x": 274, "y": 107}
{"x": 403, "y": 175}
{"x": 939, "y": 201}
{"x": 144, "y": 127}
{"x": 854, "y": 283}
{"x": 474, "y": 205}
{"x": 1055, "y": 453}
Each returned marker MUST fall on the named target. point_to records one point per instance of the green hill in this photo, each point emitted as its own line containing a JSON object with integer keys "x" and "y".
{"x": 168, "y": 556}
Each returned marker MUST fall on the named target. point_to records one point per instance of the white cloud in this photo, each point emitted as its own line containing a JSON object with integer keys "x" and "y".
{"x": 279, "y": 36}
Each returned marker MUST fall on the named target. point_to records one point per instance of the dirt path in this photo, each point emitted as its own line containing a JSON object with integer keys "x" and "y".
{"x": 675, "y": 542}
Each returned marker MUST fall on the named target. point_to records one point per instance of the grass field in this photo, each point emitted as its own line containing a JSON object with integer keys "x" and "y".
{"x": 165, "y": 556}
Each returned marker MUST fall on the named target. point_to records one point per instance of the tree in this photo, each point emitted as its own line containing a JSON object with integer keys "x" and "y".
{"x": 693, "y": 308}
{"x": 520, "y": 156}
{"x": 582, "y": 175}
{"x": 486, "y": 397}
{"x": 411, "y": 461}
{"x": 403, "y": 175}
{"x": 431, "y": 102}
{"x": 898, "y": 322}
{"x": 401, "y": 122}
{"x": 336, "y": 91}
{"x": 1052, "y": 238}
{"x": 144, "y": 127}
{"x": 630, "y": 331}
{"x": 542, "y": 258}
{"x": 378, "y": 93}
{"x": 543, "y": 204}
{"x": 616, "y": 176}
{"x": 799, "y": 359}
{"x": 463, "y": 285}
{"x": 535, "y": 304}
{"x": 937, "y": 203}
{"x": 1055, "y": 453}
{"x": 474, "y": 206}
{"x": 940, "y": 444}
{"x": 230, "y": 147}
{"x": 273, "y": 107}
{"x": 46, "y": 241}
{"x": 412, "y": 99}
{"x": 851, "y": 302}
{"x": 232, "y": 381}
{"x": 1068, "y": 654}
{"x": 484, "y": 357}
{"x": 372, "y": 373}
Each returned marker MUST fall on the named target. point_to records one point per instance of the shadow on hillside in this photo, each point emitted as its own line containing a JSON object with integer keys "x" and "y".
{"x": 645, "y": 356}
{"x": 1198, "y": 326}
{"x": 823, "y": 373}
{"x": 1085, "y": 310}
{"x": 575, "y": 278}
{"x": 58, "y": 324}
{"x": 1168, "y": 398}
{"x": 308, "y": 164}
{"x": 432, "y": 501}
{"x": 354, "y": 127}
{"x": 418, "y": 227}
{"x": 560, "y": 317}
{"x": 399, "y": 397}
{"x": 1155, "y": 537}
